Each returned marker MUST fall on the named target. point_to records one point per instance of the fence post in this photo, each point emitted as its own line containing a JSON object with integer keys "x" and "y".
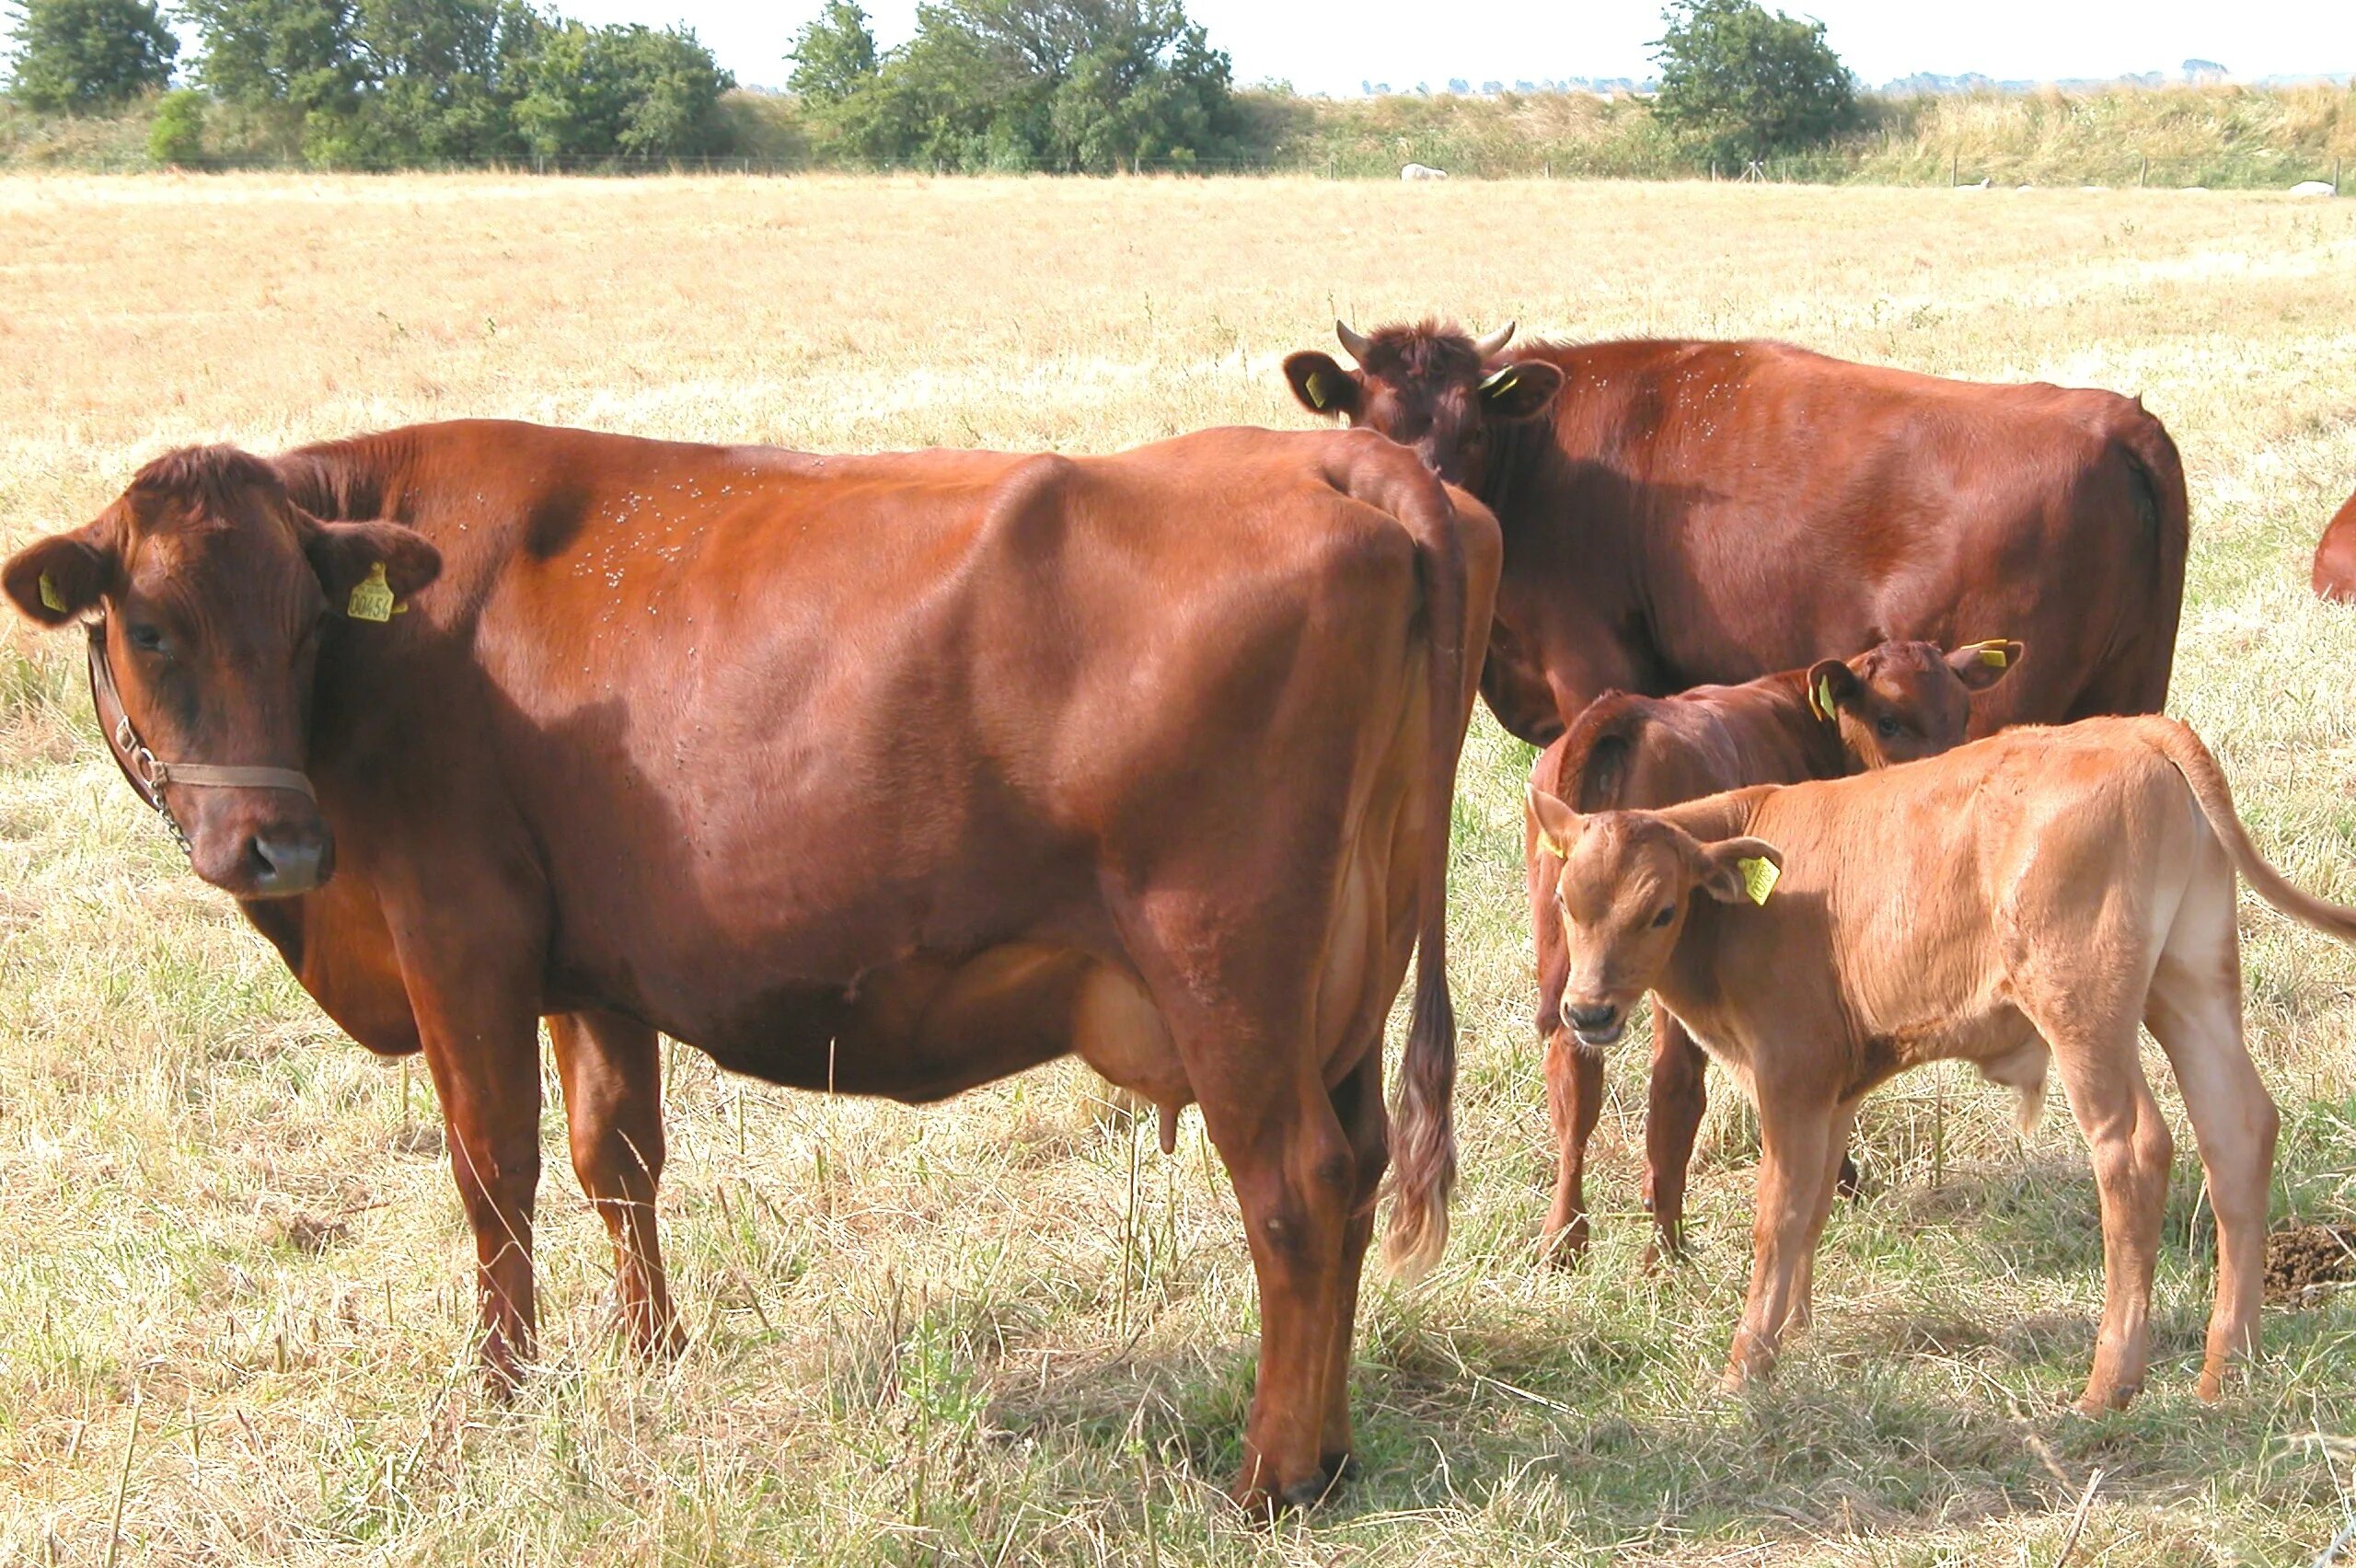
{"x": 2144, "y": 173}
{"x": 2334, "y": 177}
{"x": 1953, "y": 177}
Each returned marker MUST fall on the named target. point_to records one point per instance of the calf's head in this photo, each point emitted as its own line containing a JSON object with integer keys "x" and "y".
{"x": 1431, "y": 386}
{"x": 1903, "y": 701}
{"x": 207, "y": 589}
{"x": 1627, "y": 886}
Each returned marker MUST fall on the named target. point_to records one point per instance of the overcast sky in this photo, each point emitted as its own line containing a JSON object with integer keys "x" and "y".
{"x": 1323, "y": 47}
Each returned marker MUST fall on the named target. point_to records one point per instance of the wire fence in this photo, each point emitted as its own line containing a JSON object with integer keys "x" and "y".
{"x": 2241, "y": 169}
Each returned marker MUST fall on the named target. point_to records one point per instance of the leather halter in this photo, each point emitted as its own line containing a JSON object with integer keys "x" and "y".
{"x": 149, "y": 773}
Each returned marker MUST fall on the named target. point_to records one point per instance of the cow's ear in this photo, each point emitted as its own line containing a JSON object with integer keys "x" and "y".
{"x": 348, "y": 554}
{"x": 1830, "y": 683}
{"x": 1322, "y": 387}
{"x": 54, "y": 580}
{"x": 1558, "y": 825}
{"x": 1523, "y": 390}
{"x": 1739, "y": 871}
{"x": 1981, "y": 665}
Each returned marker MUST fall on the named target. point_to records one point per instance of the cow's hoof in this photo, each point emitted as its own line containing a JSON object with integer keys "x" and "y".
{"x": 1563, "y": 1249}
{"x": 1340, "y": 1468}
{"x": 1850, "y": 1184}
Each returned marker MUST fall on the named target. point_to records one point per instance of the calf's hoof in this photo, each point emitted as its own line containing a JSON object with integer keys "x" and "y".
{"x": 1849, "y": 1183}
{"x": 1564, "y": 1248}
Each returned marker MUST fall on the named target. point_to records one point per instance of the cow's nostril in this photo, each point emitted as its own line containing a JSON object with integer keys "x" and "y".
{"x": 289, "y": 862}
{"x": 1590, "y": 1019}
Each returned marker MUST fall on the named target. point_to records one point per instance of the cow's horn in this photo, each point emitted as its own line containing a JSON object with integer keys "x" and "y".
{"x": 1495, "y": 341}
{"x": 1352, "y": 339}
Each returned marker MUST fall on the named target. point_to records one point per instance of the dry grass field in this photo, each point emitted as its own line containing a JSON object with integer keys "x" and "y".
{"x": 234, "y": 1310}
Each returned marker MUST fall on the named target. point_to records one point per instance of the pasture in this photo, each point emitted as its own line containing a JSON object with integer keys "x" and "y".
{"x": 234, "y": 1315}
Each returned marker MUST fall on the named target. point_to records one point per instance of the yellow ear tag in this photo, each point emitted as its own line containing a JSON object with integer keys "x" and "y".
{"x": 49, "y": 596}
{"x": 1502, "y": 381}
{"x": 1821, "y": 699}
{"x": 1759, "y": 876}
{"x": 1992, "y": 656}
{"x": 372, "y": 600}
{"x": 1317, "y": 389}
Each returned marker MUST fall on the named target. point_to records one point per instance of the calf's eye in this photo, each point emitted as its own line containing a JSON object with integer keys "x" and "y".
{"x": 146, "y": 638}
{"x": 1886, "y": 727}
{"x": 1669, "y": 912}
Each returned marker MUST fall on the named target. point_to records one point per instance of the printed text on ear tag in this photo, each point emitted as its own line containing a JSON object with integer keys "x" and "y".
{"x": 1992, "y": 656}
{"x": 49, "y": 596}
{"x": 1758, "y": 875}
{"x": 372, "y": 599}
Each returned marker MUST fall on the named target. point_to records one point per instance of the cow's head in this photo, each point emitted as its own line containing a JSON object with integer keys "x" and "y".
{"x": 1431, "y": 386}
{"x": 1627, "y": 883}
{"x": 210, "y": 588}
{"x": 1903, "y": 701}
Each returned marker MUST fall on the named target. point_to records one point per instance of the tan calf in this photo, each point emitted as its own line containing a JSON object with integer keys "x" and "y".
{"x": 2042, "y": 887}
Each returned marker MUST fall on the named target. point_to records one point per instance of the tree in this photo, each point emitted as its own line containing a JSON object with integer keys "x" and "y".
{"x": 1074, "y": 86}
{"x": 300, "y": 55}
{"x": 74, "y": 56}
{"x": 833, "y": 56}
{"x": 176, "y": 138}
{"x": 631, "y": 89}
{"x": 1741, "y": 83}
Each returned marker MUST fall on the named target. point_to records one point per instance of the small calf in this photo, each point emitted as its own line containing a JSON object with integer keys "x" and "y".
{"x": 1895, "y": 703}
{"x": 2033, "y": 896}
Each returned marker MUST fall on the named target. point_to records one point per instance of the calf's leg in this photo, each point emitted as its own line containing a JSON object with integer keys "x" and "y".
{"x": 1796, "y": 1158}
{"x": 2195, "y": 1012}
{"x": 613, "y": 1103}
{"x": 1672, "y": 1119}
{"x": 1573, "y": 1101}
{"x": 2128, "y": 1142}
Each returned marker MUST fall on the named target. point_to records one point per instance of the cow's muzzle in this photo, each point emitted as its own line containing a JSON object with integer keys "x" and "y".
{"x": 284, "y": 859}
{"x": 1600, "y": 1023}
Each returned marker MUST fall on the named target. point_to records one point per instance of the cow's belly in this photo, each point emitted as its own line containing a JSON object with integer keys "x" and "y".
{"x": 930, "y": 1026}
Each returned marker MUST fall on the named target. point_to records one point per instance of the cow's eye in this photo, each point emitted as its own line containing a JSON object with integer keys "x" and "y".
{"x": 1886, "y": 727}
{"x": 1668, "y": 913}
{"x": 146, "y": 638}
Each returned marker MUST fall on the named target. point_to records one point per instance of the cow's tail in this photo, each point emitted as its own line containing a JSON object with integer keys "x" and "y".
{"x": 2157, "y": 472}
{"x": 2184, "y": 749}
{"x": 1424, "y": 1138}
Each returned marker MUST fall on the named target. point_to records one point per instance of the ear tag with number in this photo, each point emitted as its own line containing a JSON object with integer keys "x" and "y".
{"x": 1992, "y": 655}
{"x": 372, "y": 600}
{"x": 1820, "y": 699}
{"x": 1759, "y": 877}
{"x": 1317, "y": 390}
{"x": 50, "y": 597}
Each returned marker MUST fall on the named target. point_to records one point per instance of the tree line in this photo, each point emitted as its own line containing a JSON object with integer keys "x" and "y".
{"x": 1084, "y": 86}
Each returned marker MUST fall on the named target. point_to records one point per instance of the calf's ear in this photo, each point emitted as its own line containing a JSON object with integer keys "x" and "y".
{"x": 53, "y": 581}
{"x": 346, "y": 555}
{"x": 1523, "y": 390}
{"x": 1558, "y": 825}
{"x": 1737, "y": 871}
{"x": 1322, "y": 387}
{"x": 1980, "y": 665}
{"x": 1830, "y": 683}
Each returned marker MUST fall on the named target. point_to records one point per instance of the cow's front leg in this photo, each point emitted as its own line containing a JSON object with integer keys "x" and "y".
{"x": 483, "y": 1050}
{"x": 1795, "y": 1175}
{"x": 613, "y": 1104}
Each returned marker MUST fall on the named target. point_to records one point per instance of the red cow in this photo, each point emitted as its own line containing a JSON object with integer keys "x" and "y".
{"x": 1682, "y": 512}
{"x": 1899, "y": 702}
{"x": 2334, "y": 574}
{"x": 891, "y": 774}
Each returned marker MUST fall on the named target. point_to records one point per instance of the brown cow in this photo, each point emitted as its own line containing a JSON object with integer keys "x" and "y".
{"x": 1693, "y": 512}
{"x": 2335, "y": 571}
{"x": 2044, "y": 887}
{"x": 890, "y": 775}
{"x": 1898, "y": 702}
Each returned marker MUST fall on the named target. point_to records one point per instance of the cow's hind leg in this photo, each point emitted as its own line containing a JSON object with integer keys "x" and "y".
{"x": 1295, "y": 1181}
{"x": 613, "y": 1103}
{"x": 1573, "y": 1101}
{"x": 2096, "y": 1049}
{"x": 2195, "y": 1012}
{"x": 1357, "y": 1102}
{"x": 1676, "y": 1100}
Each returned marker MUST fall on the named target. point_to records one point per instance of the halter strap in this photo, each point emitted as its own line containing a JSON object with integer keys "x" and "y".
{"x": 149, "y": 773}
